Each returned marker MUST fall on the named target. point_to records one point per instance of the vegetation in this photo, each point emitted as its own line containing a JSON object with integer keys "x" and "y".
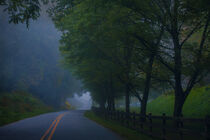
{"x": 29, "y": 61}
{"x": 127, "y": 48}
{"x": 124, "y": 132}
{"x": 22, "y": 11}
{"x": 19, "y": 105}
{"x": 197, "y": 104}
{"x": 147, "y": 45}
{"x": 68, "y": 106}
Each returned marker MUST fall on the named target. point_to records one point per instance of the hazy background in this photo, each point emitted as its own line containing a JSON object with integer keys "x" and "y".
{"x": 30, "y": 61}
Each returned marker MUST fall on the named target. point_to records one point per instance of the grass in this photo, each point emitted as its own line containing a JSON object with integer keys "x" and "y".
{"x": 19, "y": 105}
{"x": 197, "y": 104}
{"x": 125, "y": 133}
{"x": 129, "y": 134}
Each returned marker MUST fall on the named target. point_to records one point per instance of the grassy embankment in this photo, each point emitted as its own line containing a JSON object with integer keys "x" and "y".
{"x": 122, "y": 131}
{"x": 19, "y": 105}
{"x": 197, "y": 105}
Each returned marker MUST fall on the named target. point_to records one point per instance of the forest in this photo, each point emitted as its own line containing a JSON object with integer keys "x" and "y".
{"x": 143, "y": 64}
{"x": 126, "y": 48}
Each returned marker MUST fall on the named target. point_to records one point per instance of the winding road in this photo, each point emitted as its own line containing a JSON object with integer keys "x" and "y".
{"x": 66, "y": 125}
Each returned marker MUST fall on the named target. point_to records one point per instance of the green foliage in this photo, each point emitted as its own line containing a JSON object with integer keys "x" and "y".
{"x": 109, "y": 51}
{"x": 19, "y": 105}
{"x": 101, "y": 47}
{"x": 85, "y": 50}
{"x": 69, "y": 106}
{"x": 197, "y": 104}
{"x": 21, "y": 10}
{"x": 163, "y": 104}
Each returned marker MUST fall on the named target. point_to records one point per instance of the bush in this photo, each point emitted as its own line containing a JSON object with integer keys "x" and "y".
{"x": 19, "y": 105}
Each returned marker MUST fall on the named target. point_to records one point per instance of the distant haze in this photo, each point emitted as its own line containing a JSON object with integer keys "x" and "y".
{"x": 83, "y": 102}
{"x": 30, "y": 61}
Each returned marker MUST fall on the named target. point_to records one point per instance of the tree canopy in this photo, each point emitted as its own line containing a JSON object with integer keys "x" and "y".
{"x": 128, "y": 47}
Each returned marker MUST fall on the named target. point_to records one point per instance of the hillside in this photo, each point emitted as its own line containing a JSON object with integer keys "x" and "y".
{"x": 19, "y": 105}
{"x": 197, "y": 104}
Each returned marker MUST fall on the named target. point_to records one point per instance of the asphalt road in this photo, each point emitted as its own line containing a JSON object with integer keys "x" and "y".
{"x": 66, "y": 125}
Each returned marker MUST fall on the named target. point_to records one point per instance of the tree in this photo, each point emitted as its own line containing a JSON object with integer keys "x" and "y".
{"x": 181, "y": 19}
{"x": 158, "y": 30}
{"x": 114, "y": 36}
{"x": 22, "y": 10}
{"x": 86, "y": 57}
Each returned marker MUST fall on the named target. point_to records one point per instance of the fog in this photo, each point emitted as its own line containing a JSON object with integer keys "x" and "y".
{"x": 30, "y": 61}
{"x": 83, "y": 102}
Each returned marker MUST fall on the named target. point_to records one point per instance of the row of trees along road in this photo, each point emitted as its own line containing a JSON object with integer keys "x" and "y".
{"x": 126, "y": 47}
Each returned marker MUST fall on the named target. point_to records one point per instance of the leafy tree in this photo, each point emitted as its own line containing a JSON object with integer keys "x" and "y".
{"x": 21, "y": 10}
{"x": 114, "y": 36}
{"x": 181, "y": 19}
{"x": 147, "y": 41}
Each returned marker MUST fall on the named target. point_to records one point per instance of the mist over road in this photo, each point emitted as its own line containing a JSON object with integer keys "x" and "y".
{"x": 65, "y": 125}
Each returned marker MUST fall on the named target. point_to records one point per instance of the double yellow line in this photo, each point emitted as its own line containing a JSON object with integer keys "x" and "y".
{"x": 56, "y": 122}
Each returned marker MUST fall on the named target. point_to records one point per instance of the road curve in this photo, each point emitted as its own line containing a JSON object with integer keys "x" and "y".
{"x": 65, "y": 125}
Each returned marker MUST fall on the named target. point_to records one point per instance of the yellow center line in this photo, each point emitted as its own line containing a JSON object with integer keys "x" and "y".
{"x": 57, "y": 120}
{"x": 48, "y": 130}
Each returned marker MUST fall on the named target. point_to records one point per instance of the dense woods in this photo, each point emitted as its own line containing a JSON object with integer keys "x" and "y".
{"x": 125, "y": 48}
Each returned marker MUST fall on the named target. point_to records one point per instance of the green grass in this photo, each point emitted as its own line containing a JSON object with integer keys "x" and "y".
{"x": 122, "y": 131}
{"x": 197, "y": 104}
{"x": 19, "y": 105}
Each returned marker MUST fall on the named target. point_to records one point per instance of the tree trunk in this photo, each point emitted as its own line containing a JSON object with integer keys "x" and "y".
{"x": 179, "y": 99}
{"x": 112, "y": 95}
{"x": 109, "y": 103}
{"x": 178, "y": 105}
{"x": 147, "y": 85}
{"x": 179, "y": 94}
{"x": 102, "y": 105}
{"x": 112, "y": 104}
{"x": 127, "y": 101}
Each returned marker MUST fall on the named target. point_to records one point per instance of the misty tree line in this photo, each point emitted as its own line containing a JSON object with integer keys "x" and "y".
{"x": 124, "y": 48}
{"x": 29, "y": 62}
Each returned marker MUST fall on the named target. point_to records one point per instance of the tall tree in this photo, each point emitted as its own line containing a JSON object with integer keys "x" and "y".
{"x": 181, "y": 19}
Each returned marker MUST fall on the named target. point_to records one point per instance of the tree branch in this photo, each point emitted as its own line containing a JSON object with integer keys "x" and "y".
{"x": 192, "y": 80}
{"x": 198, "y": 26}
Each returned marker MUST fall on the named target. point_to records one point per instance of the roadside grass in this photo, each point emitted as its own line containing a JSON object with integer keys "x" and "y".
{"x": 125, "y": 133}
{"x": 19, "y": 105}
{"x": 197, "y": 104}
{"x": 129, "y": 134}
